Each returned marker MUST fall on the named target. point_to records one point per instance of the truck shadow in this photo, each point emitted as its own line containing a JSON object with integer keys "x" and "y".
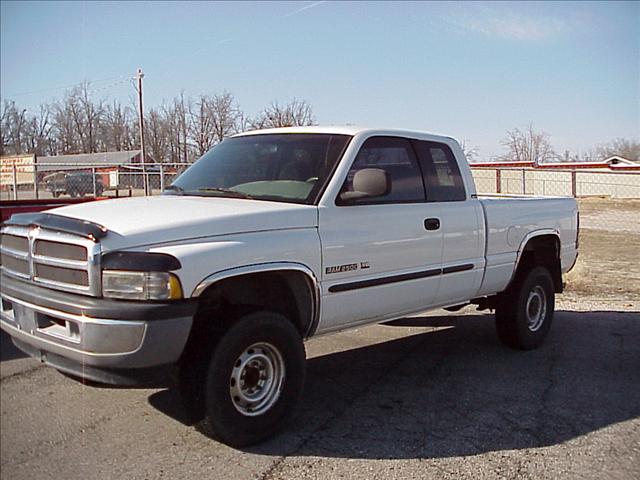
{"x": 457, "y": 391}
{"x": 8, "y": 351}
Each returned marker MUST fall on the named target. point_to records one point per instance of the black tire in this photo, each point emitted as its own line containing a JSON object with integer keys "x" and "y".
{"x": 525, "y": 311}
{"x": 243, "y": 363}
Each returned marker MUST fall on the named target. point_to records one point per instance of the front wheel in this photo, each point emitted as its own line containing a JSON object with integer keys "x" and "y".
{"x": 525, "y": 312}
{"x": 254, "y": 380}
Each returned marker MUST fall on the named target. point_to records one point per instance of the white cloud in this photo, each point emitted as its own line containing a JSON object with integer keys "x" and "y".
{"x": 511, "y": 25}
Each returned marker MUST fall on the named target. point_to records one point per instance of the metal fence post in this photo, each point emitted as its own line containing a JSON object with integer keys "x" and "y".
{"x": 93, "y": 178}
{"x": 161, "y": 178}
{"x": 35, "y": 180}
{"x": 498, "y": 181}
{"x": 15, "y": 181}
{"x": 524, "y": 183}
{"x": 574, "y": 184}
{"x": 145, "y": 180}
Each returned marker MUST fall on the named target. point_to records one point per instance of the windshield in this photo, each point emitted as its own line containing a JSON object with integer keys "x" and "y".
{"x": 292, "y": 167}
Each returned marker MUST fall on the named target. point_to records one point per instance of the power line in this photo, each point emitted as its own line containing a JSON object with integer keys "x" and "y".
{"x": 91, "y": 91}
{"x": 33, "y": 92}
{"x": 111, "y": 85}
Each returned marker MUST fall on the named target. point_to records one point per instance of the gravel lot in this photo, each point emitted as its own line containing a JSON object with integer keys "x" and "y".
{"x": 610, "y": 215}
{"x": 433, "y": 396}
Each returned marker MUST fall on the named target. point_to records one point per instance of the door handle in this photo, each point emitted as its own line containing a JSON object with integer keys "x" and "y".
{"x": 432, "y": 224}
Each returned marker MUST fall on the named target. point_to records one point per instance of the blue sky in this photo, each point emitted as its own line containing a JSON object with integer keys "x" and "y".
{"x": 471, "y": 70}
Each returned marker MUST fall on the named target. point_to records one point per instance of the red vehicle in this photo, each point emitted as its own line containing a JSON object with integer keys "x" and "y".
{"x": 9, "y": 207}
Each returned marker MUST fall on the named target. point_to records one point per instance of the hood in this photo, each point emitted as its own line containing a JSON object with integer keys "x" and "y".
{"x": 163, "y": 219}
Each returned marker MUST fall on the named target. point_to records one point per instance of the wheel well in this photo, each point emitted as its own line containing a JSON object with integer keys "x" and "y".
{"x": 288, "y": 292}
{"x": 543, "y": 250}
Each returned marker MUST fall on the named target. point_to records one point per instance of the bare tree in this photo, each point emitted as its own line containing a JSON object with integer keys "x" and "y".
{"x": 243, "y": 122}
{"x": 118, "y": 126}
{"x": 14, "y": 128}
{"x": 629, "y": 149}
{"x": 201, "y": 125}
{"x": 157, "y": 135}
{"x": 579, "y": 156}
{"x": 65, "y": 131}
{"x": 39, "y": 131}
{"x": 470, "y": 152}
{"x": 5, "y": 126}
{"x": 177, "y": 131}
{"x": 177, "y": 124}
{"x": 181, "y": 108}
{"x": 24, "y": 132}
{"x": 296, "y": 113}
{"x": 226, "y": 115}
{"x": 528, "y": 146}
{"x": 78, "y": 119}
{"x": 74, "y": 110}
{"x": 90, "y": 116}
{"x": 167, "y": 113}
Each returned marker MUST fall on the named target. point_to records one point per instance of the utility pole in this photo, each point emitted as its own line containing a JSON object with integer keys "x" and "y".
{"x": 139, "y": 77}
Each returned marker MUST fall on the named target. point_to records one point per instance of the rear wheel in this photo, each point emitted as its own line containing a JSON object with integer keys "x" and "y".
{"x": 254, "y": 379}
{"x": 525, "y": 312}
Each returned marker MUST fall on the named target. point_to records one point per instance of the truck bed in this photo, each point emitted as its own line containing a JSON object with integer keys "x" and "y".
{"x": 510, "y": 220}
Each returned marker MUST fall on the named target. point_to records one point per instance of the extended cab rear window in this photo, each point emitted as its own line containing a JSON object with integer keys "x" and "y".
{"x": 441, "y": 172}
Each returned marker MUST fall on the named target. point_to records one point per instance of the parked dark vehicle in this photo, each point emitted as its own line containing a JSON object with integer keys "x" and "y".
{"x": 73, "y": 184}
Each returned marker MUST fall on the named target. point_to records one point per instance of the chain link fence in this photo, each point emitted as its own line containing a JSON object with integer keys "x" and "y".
{"x": 616, "y": 194}
{"x": 30, "y": 181}
{"x": 557, "y": 182}
{"x": 609, "y": 201}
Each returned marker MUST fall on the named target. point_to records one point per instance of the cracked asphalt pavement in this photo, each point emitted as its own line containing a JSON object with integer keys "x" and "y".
{"x": 434, "y": 396}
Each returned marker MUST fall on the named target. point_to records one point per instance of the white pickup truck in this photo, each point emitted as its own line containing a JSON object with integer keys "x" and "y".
{"x": 273, "y": 237}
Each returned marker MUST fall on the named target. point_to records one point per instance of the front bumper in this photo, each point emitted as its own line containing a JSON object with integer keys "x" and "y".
{"x": 108, "y": 341}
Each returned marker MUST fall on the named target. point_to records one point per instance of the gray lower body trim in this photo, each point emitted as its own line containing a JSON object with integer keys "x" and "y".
{"x": 94, "y": 342}
{"x": 156, "y": 377}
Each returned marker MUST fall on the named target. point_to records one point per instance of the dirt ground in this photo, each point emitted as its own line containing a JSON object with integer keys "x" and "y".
{"x": 611, "y": 215}
{"x": 608, "y": 264}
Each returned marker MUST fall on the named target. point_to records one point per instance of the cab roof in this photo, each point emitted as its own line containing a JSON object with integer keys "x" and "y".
{"x": 347, "y": 130}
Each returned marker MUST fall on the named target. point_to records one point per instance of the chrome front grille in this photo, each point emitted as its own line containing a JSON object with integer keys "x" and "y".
{"x": 47, "y": 248}
{"x": 15, "y": 243}
{"x": 68, "y": 276}
{"x": 58, "y": 260}
{"x": 18, "y": 265}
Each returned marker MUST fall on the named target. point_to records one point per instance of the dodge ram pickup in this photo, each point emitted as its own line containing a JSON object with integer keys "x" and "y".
{"x": 269, "y": 239}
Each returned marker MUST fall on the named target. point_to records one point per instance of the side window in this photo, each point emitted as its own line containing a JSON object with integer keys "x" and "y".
{"x": 380, "y": 157}
{"x": 442, "y": 174}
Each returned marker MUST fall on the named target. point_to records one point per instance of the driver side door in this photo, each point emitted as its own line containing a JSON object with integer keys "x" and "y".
{"x": 381, "y": 255}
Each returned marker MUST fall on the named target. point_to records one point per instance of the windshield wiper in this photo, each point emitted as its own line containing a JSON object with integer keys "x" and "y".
{"x": 225, "y": 191}
{"x": 175, "y": 188}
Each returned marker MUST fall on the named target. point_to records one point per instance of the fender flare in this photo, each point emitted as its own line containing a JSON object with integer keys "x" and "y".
{"x": 527, "y": 238}
{"x": 314, "y": 285}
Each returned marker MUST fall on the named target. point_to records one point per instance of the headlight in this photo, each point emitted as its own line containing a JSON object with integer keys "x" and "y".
{"x": 140, "y": 285}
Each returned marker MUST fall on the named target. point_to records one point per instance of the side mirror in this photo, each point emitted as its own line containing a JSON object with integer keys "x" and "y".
{"x": 368, "y": 182}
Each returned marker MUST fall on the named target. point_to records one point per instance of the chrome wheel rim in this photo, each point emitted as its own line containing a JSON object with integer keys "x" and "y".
{"x": 256, "y": 379}
{"x": 536, "y": 308}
